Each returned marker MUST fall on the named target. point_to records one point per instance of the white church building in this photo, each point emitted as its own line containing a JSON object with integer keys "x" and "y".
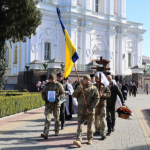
{"x": 96, "y": 27}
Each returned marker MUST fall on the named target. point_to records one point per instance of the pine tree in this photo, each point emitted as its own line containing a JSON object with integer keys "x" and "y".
{"x": 18, "y": 19}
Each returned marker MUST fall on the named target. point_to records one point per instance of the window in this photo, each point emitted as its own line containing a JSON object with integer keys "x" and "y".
{"x": 47, "y": 55}
{"x": 129, "y": 60}
{"x": 7, "y": 57}
{"x": 96, "y": 5}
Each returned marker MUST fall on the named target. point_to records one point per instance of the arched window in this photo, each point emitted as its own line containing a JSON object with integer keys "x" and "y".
{"x": 7, "y": 57}
{"x": 47, "y": 51}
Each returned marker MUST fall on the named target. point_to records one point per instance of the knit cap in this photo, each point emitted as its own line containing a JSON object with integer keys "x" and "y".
{"x": 87, "y": 77}
{"x": 51, "y": 76}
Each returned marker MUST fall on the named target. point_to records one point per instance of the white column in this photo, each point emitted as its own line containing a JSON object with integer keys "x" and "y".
{"x": 23, "y": 61}
{"x": 88, "y": 6}
{"x": 110, "y": 7}
{"x": 119, "y": 49}
{"x": 111, "y": 55}
{"x": 58, "y": 43}
{"x": 83, "y": 47}
{"x": 137, "y": 52}
{"x": 12, "y": 58}
{"x": 122, "y": 8}
{"x": 105, "y": 6}
{"x": 29, "y": 49}
{"x": 18, "y": 56}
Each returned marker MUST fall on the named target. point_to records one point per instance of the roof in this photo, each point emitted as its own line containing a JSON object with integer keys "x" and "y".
{"x": 137, "y": 67}
{"x": 92, "y": 64}
{"x": 145, "y": 57}
{"x": 36, "y": 62}
{"x": 55, "y": 61}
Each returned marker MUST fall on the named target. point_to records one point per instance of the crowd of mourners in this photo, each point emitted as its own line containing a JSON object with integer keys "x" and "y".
{"x": 99, "y": 109}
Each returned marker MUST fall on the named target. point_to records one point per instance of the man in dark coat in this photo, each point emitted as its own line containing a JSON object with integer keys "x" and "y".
{"x": 111, "y": 104}
{"x": 124, "y": 91}
{"x": 62, "y": 108}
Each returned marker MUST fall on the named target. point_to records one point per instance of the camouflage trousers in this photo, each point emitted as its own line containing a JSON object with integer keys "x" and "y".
{"x": 102, "y": 125}
{"x": 90, "y": 121}
{"x": 48, "y": 113}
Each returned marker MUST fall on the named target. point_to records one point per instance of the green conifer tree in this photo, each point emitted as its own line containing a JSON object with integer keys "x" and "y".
{"x": 18, "y": 19}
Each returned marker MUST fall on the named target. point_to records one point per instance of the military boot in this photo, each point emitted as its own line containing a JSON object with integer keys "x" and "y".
{"x": 62, "y": 126}
{"x": 57, "y": 133}
{"x": 45, "y": 136}
{"x": 96, "y": 133}
{"x": 103, "y": 137}
{"x": 77, "y": 143}
{"x": 90, "y": 142}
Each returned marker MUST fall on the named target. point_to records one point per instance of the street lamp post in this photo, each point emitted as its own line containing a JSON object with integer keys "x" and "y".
{"x": 144, "y": 71}
{"x": 62, "y": 66}
{"x": 27, "y": 67}
{"x": 45, "y": 65}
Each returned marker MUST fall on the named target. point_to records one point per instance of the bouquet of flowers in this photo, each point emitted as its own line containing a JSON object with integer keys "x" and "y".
{"x": 124, "y": 112}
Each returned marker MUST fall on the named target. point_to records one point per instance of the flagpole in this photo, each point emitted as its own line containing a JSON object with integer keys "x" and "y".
{"x": 81, "y": 88}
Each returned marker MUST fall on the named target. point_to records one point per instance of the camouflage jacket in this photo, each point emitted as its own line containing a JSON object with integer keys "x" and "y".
{"x": 91, "y": 96}
{"x": 106, "y": 94}
{"x": 60, "y": 93}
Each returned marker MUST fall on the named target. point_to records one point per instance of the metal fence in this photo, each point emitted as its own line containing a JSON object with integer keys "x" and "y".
{"x": 82, "y": 67}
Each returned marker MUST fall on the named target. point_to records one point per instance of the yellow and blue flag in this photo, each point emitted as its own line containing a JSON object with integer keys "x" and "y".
{"x": 71, "y": 51}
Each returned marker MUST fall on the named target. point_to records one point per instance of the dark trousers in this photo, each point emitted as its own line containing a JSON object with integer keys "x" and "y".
{"x": 130, "y": 92}
{"x": 110, "y": 117}
{"x": 125, "y": 96}
{"x": 134, "y": 93}
{"x": 62, "y": 113}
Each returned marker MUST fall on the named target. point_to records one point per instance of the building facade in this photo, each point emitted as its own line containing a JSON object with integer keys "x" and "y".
{"x": 96, "y": 27}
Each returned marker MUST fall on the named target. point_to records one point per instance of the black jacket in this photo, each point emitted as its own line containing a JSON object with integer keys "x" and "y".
{"x": 114, "y": 92}
{"x": 124, "y": 88}
{"x": 65, "y": 85}
{"x": 134, "y": 88}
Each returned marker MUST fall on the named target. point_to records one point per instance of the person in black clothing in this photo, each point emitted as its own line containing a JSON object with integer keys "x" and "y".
{"x": 124, "y": 91}
{"x": 134, "y": 89}
{"x": 130, "y": 89}
{"x": 111, "y": 104}
{"x": 126, "y": 83}
{"x": 62, "y": 108}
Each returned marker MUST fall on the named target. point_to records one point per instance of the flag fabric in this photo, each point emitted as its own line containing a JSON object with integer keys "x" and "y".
{"x": 71, "y": 51}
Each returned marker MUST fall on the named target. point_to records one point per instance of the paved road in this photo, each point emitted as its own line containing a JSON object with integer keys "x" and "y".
{"x": 22, "y": 131}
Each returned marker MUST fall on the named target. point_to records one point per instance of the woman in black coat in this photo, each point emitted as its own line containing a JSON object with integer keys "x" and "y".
{"x": 134, "y": 89}
{"x": 124, "y": 91}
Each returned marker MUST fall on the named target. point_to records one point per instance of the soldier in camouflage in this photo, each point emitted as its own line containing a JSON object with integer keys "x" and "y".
{"x": 50, "y": 107}
{"x": 92, "y": 98}
{"x": 101, "y": 127}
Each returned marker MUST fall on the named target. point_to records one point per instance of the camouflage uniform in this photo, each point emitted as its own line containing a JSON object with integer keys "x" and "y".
{"x": 92, "y": 99}
{"x": 101, "y": 127}
{"x": 53, "y": 106}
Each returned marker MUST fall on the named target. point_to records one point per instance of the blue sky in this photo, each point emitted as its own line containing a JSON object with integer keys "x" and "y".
{"x": 139, "y": 11}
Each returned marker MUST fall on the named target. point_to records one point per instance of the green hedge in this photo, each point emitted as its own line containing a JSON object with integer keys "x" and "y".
{"x": 14, "y": 104}
{"x": 9, "y": 91}
{"x": 17, "y": 93}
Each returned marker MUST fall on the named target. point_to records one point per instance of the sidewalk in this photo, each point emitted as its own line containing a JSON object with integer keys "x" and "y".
{"x": 22, "y": 131}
